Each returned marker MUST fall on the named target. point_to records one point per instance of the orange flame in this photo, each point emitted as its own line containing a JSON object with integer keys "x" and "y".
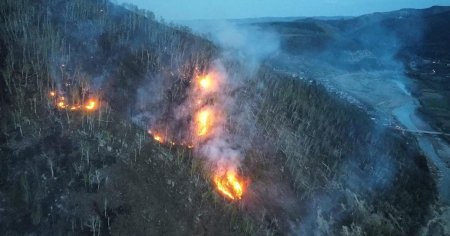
{"x": 205, "y": 82}
{"x": 61, "y": 104}
{"x": 74, "y": 107}
{"x": 207, "y": 118}
{"x": 158, "y": 138}
{"x": 204, "y": 121}
{"x": 91, "y": 105}
{"x": 230, "y": 185}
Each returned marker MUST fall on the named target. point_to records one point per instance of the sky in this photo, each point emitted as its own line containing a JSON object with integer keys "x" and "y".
{"x": 235, "y": 9}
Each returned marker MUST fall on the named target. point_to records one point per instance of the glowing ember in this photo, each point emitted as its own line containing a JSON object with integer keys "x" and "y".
{"x": 229, "y": 185}
{"x": 73, "y": 108}
{"x": 205, "y": 82}
{"x": 208, "y": 83}
{"x": 91, "y": 105}
{"x": 158, "y": 138}
{"x": 61, "y": 104}
{"x": 204, "y": 121}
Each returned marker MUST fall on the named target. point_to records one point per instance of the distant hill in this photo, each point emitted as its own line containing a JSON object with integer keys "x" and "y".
{"x": 430, "y": 27}
{"x": 417, "y": 40}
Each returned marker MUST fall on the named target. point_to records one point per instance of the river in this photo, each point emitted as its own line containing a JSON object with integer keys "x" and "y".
{"x": 407, "y": 116}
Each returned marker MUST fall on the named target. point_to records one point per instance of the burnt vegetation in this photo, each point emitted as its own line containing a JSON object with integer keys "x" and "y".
{"x": 99, "y": 173}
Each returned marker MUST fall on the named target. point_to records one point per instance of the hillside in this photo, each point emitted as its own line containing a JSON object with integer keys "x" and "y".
{"x": 83, "y": 81}
{"x": 416, "y": 40}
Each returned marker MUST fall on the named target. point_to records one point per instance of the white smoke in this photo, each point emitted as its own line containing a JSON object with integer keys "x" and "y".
{"x": 246, "y": 43}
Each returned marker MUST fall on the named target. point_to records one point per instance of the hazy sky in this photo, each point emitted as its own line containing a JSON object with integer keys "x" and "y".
{"x": 227, "y": 9}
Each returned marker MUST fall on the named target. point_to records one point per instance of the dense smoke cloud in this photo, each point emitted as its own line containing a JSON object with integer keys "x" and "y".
{"x": 248, "y": 44}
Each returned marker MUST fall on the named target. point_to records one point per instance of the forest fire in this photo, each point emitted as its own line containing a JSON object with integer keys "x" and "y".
{"x": 229, "y": 184}
{"x": 204, "y": 122}
{"x": 156, "y": 136}
{"x": 61, "y": 103}
{"x": 91, "y": 105}
{"x": 206, "y": 108}
{"x": 75, "y": 107}
{"x": 205, "y": 82}
{"x": 162, "y": 138}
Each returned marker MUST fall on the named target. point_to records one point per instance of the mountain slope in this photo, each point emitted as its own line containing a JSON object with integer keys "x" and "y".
{"x": 316, "y": 163}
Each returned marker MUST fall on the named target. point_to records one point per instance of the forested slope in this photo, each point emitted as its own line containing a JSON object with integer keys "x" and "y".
{"x": 316, "y": 163}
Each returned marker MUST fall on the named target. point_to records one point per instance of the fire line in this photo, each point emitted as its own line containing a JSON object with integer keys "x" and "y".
{"x": 60, "y": 102}
{"x": 225, "y": 178}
